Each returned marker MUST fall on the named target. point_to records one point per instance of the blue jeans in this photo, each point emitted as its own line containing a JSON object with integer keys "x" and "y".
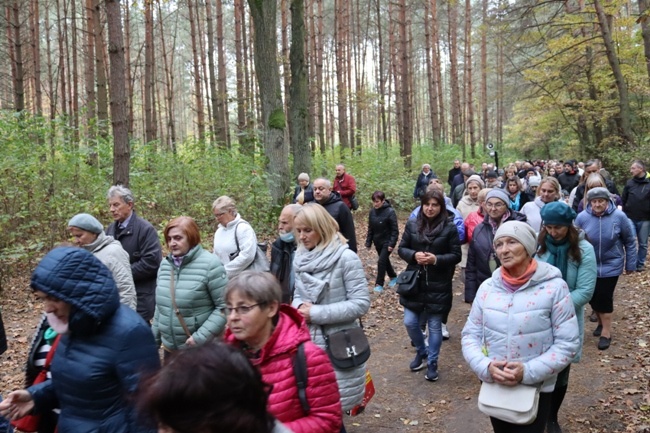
{"x": 434, "y": 321}
{"x": 642, "y": 232}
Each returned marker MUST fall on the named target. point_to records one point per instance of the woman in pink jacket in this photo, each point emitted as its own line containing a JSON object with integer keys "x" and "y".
{"x": 270, "y": 334}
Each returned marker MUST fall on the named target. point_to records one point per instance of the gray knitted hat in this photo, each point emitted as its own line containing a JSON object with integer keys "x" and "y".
{"x": 520, "y": 231}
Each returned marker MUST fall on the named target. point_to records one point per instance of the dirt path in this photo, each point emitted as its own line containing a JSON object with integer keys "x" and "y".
{"x": 608, "y": 391}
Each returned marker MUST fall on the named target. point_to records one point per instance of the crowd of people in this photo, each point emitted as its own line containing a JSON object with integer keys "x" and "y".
{"x": 248, "y": 344}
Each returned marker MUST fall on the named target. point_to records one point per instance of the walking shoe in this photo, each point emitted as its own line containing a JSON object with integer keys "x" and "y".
{"x": 598, "y": 330}
{"x": 392, "y": 283}
{"x": 445, "y": 332}
{"x": 432, "y": 372}
{"x": 603, "y": 343}
{"x": 593, "y": 317}
{"x": 418, "y": 363}
{"x": 379, "y": 289}
{"x": 553, "y": 427}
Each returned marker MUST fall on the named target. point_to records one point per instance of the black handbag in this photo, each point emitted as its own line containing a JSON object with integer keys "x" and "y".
{"x": 407, "y": 282}
{"x": 354, "y": 203}
{"x": 348, "y": 348}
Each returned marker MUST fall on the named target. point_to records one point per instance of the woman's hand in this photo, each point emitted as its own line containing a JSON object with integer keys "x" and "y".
{"x": 17, "y": 405}
{"x": 190, "y": 342}
{"x": 425, "y": 258}
{"x": 304, "y": 310}
{"x": 506, "y": 373}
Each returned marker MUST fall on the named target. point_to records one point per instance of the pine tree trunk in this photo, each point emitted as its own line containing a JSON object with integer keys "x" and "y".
{"x": 198, "y": 94}
{"x": 36, "y": 57}
{"x": 121, "y": 151}
{"x": 298, "y": 110}
{"x": 340, "y": 20}
{"x": 484, "y": 99}
{"x": 89, "y": 75}
{"x": 62, "y": 70}
{"x": 18, "y": 74}
{"x": 169, "y": 84}
{"x": 319, "y": 78}
{"x": 100, "y": 70}
{"x": 469, "y": 99}
{"x": 223, "y": 132}
{"x": 644, "y": 12}
{"x": 240, "y": 60}
{"x": 405, "y": 78}
{"x": 149, "y": 67}
{"x": 456, "y": 129}
{"x": 127, "y": 59}
{"x": 381, "y": 76}
{"x": 430, "y": 29}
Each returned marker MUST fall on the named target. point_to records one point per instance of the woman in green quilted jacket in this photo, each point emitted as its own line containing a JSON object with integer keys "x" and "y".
{"x": 189, "y": 290}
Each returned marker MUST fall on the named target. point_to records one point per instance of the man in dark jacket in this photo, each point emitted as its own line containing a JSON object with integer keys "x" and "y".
{"x": 453, "y": 172}
{"x": 591, "y": 166}
{"x": 140, "y": 239}
{"x": 570, "y": 177}
{"x": 332, "y": 203}
{"x": 636, "y": 205}
{"x": 283, "y": 250}
{"x": 459, "y": 179}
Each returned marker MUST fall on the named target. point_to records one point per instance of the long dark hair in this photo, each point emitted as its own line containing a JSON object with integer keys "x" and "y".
{"x": 424, "y": 224}
{"x": 209, "y": 388}
{"x": 574, "y": 240}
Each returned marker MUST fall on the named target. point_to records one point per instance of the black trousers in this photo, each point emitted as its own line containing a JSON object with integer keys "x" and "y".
{"x": 538, "y": 426}
{"x": 383, "y": 265}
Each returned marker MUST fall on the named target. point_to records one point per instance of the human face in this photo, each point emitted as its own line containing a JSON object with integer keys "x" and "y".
{"x": 547, "y": 193}
{"x": 285, "y": 221}
{"x": 568, "y": 168}
{"x": 81, "y": 237}
{"x": 457, "y": 164}
{"x": 253, "y": 327}
{"x": 484, "y": 166}
{"x": 431, "y": 208}
{"x": 599, "y": 205}
{"x": 473, "y": 190}
{"x": 321, "y": 191}
{"x": 551, "y": 172}
{"x": 120, "y": 210}
{"x": 556, "y": 232}
{"x": 303, "y": 183}
{"x": 593, "y": 168}
{"x": 340, "y": 170}
{"x": 512, "y": 255}
{"x": 426, "y": 169}
{"x": 377, "y": 203}
{"x": 495, "y": 208}
{"x": 513, "y": 188}
{"x": 223, "y": 216}
{"x": 306, "y": 235}
{"x": 177, "y": 242}
{"x": 54, "y": 306}
{"x": 636, "y": 170}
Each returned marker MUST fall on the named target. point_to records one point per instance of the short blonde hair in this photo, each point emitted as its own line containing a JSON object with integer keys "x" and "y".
{"x": 318, "y": 219}
{"x": 225, "y": 204}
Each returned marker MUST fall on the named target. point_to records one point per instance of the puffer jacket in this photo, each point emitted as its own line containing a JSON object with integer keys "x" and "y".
{"x": 636, "y": 198}
{"x": 535, "y": 325}
{"x": 275, "y": 361}
{"x": 533, "y": 210}
{"x": 98, "y": 363}
{"x": 458, "y": 218}
{"x": 481, "y": 259}
{"x": 225, "y": 244}
{"x": 610, "y": 233}
{"x": 343, "y": 216}
{"x": 471, "y": 222}
{"x": 199, "y": 284}
{"x": 581, "y": 279}
{"x": 434, "y": 285}
{"x": 382, "y": 226}
{"x": 333, "y": 280}
{"x": 422, "y": 183}
{"x": 140, "y": 240}
{"x": 110, "y": 253}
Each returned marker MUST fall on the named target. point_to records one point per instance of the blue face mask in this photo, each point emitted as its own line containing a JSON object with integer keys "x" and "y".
{"x": 287, "y": 237}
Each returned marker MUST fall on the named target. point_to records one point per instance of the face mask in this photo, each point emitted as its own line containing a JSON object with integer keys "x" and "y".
{"x": 287, "y": 237}
{"x": 59, "y": 326}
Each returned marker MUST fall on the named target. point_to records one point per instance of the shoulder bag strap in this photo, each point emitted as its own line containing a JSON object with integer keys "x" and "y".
{"x": 50, "y": 354}
{"x": 300, "y": 372}
{"x": 236, "y": 240}
{"x": 172, "y": 291}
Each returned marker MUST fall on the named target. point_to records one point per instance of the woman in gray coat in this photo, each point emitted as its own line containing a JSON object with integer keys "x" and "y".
{"x": 331, "y": 289}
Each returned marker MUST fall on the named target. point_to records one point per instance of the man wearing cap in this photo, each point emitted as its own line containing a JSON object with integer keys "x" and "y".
{"x": 481, "y": 259}
{"x": 88, "y": 233}
{"x": 636, "y": 205}
{"x": 140, "y": 240}
{"x": 570, "y": 177}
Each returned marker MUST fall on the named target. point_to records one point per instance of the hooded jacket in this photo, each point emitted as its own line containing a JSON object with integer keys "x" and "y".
{"x": 481, "y": 259}
{"x": 110, "y": 253}
{"x": 610, "y": 233}
{"x": 535, "y": 325}
{"x": 333, "y": 280}
{"x": 98, "y": 363}
{"x": 382, "y": 226}
{"x": 341, "y": 213}
{"x": 275, "y": 362}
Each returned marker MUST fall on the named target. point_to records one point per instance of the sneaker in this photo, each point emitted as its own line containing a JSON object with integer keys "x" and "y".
{"x": 593, "y": 317}
{"x": 598, "y": 330}
{"x": 432, "y": 372}
{"x": 379, "y": 289}
{"x": 392, "y": 283}
{"x": 418, "y": 363}
{"x": 603, "y": 343}
{"x": 445, "y": 332}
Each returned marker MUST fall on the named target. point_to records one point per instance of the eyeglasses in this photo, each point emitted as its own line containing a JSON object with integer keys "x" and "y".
{"x": 495, "y": 205}
{"x": 242, "y": 309}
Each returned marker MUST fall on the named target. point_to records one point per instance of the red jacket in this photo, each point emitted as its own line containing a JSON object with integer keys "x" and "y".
{"x": 276, "y": 364}
{"x": 473, "y": 219}
{"x": 346, "y": 186}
